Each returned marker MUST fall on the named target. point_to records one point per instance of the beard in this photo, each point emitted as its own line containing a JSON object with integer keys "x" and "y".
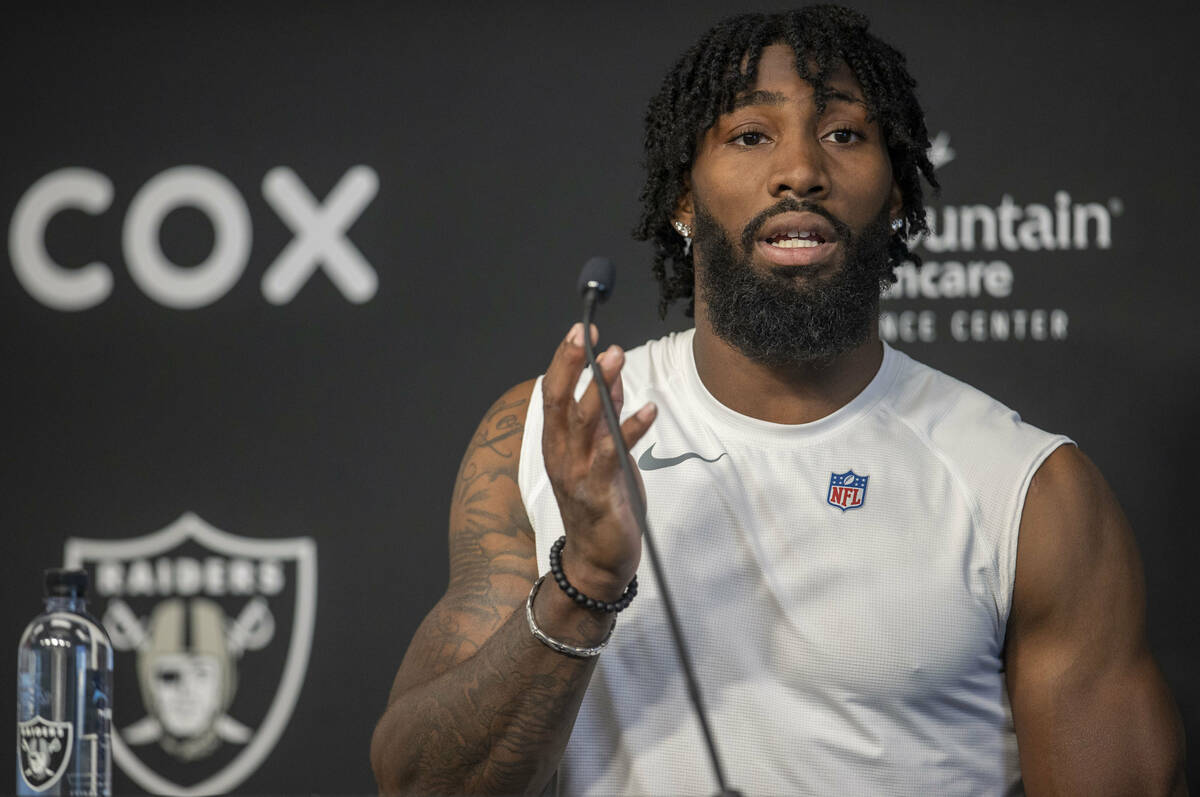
{"x": 774, "y": 321}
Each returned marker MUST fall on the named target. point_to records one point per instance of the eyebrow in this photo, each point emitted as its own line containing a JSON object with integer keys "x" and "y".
{"x": 763, "y": 97}
{"x": 760, "y": 97}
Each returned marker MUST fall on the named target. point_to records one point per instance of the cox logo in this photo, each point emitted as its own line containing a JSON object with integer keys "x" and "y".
{"x": 319, "y": 240}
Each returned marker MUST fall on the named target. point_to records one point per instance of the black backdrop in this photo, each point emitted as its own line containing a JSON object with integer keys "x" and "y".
{"x": 505, "y": 144}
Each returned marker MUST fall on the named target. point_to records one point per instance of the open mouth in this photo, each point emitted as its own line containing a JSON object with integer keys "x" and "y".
{"x": 796, "y": 239}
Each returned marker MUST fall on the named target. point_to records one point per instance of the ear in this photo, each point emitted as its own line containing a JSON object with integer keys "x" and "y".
{"x": 895, "y": 202}
{"x": 684, "y": 210}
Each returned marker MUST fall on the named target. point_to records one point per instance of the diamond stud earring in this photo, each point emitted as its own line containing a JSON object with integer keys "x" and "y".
{"x": 897, "y": 225}
{"x": 686, "y": 231}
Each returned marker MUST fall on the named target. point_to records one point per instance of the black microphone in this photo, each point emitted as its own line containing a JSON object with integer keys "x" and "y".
{"x": 596, "y": 281}
{"x": 598, "y": 275}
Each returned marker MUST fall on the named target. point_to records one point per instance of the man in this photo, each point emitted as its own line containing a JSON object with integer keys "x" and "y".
{"x": 839, "y": 524}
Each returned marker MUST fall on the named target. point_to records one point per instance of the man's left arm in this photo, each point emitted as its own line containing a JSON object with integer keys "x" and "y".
{"x": 1092, "y": 713}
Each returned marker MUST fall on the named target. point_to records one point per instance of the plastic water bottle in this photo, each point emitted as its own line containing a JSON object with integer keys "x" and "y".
{"x": 64, "y": 696}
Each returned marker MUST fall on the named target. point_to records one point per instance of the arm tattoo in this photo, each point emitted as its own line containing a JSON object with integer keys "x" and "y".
{"x": 499, "y": 722}
{"x": 480, "y": 705}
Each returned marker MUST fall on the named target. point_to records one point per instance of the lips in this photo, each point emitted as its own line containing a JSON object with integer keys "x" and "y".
{"x": 797, "y": 239}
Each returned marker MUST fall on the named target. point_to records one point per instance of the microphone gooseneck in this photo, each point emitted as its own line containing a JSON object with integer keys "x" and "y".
{"x": 596, "y": 282}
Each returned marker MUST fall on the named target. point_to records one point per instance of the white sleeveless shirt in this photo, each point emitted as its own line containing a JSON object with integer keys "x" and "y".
{"x": 844, "y": 587}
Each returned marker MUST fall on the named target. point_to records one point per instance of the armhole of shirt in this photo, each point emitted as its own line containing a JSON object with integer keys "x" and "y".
{"x": 531, "y": 472}
{"x": 1008, "y": 556}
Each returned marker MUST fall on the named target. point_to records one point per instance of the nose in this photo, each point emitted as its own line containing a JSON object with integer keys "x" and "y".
{"x": 799, "y": 169}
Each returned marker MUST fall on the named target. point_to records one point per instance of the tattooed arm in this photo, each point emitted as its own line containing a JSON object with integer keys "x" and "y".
{"x": 478, "y": 705}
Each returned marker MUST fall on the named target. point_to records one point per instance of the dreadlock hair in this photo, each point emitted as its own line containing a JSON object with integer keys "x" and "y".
{"x": 707, "y": 80}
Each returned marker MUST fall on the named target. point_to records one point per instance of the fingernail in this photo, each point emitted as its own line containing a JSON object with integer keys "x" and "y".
{"x": 575, "y": 336}
{"x": 647, "y": 412}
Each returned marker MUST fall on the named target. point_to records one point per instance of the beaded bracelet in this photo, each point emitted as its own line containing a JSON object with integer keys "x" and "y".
{"x": 556, "y": 570}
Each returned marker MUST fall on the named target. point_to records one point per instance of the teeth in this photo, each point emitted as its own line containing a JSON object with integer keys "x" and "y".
{"x": 796, "y": 243}
{"x": 784, "y": 238}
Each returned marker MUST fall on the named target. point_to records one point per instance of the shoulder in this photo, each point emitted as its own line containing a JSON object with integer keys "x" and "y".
{"x": 496, "y": 444}
{"x": 1069, "y": 485}
{"x": 487, "y": 474}
{"x": 1073, "y": 536}
{"x": 1091, "y": 710}
{"x": 653, "y": 364}
{"x": 660, "y": 359}
{"x": 506, "y": 416}
{"x": 1078, "y": 573}
{"x": 490, "y": 535}
{"x": 935, "y": 397}
{"x": 979, "y": 434}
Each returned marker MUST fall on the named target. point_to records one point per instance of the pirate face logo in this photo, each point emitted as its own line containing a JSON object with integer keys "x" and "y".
{"x": 187, "y": 657}
{"x": 185, "y": 693}
{"x": 193, "y": 612}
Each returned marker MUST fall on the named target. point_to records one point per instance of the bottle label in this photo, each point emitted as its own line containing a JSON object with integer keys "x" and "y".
{"x": 44, "y": 749}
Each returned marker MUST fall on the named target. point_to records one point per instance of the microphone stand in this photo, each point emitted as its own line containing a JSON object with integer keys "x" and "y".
{"x": 594, "y": 290}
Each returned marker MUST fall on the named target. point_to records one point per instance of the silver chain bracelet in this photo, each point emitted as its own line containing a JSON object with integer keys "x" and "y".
{"x": 554, "y": 644}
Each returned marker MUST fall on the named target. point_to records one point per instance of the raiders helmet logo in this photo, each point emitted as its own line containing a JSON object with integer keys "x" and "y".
{"x": 193, "y": 612}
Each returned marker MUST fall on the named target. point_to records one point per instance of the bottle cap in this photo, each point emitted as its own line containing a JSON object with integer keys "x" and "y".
{"x": 63, "y": 583}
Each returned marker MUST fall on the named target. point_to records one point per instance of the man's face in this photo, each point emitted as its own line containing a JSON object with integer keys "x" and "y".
{"x": 790, "y": 210}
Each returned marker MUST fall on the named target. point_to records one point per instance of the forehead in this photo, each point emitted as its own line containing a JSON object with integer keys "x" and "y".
{"x": 777, "y": 73}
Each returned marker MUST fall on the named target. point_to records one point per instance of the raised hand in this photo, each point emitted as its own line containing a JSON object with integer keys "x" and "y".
{"x": 603, "y": 542}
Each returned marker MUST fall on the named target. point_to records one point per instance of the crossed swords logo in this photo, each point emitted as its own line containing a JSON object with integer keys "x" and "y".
{"x": 39, "y": 752}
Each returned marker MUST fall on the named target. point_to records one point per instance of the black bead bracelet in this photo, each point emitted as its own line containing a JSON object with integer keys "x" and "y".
{"x": 556, "y": 570}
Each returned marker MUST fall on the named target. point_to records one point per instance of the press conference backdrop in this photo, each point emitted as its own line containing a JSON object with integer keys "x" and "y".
{"x": 268, "y": 263}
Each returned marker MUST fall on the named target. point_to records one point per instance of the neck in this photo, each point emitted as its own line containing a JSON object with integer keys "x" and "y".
{"x": 791, "y": 394}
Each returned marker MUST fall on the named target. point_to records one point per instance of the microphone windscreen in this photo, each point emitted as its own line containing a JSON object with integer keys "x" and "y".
{"x": 599, "y": 273}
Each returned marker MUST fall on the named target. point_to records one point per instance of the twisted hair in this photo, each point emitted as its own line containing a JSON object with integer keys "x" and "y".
{"x": 708, "y": 78}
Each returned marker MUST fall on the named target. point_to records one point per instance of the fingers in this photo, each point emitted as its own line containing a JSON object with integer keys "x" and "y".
{"x": 576, "y": 429}
{"x": 633, "y": 429}
{"x": 590, "y": 407}
{"x": 558, "y": 386}
{"x": 636, "y": 425}
{"x": 616, "y": 387}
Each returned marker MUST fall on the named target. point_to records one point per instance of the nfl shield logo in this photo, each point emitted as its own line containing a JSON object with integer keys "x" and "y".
{"x": 847, "y": 490}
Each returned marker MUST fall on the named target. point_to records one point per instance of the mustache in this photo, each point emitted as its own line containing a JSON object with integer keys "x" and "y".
{"x": 790, "y": 205}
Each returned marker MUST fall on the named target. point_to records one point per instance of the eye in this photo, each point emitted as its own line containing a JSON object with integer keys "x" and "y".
{"x": 844, "y": 135}
{"x": 749, "y": 138}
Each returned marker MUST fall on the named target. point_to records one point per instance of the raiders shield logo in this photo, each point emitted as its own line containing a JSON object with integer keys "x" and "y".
{"x": 192, "y": 612}
{"x": 43, "y": 751}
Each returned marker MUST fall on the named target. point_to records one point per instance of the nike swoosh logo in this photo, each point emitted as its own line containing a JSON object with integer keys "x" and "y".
{"x": 647, "y": 461}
